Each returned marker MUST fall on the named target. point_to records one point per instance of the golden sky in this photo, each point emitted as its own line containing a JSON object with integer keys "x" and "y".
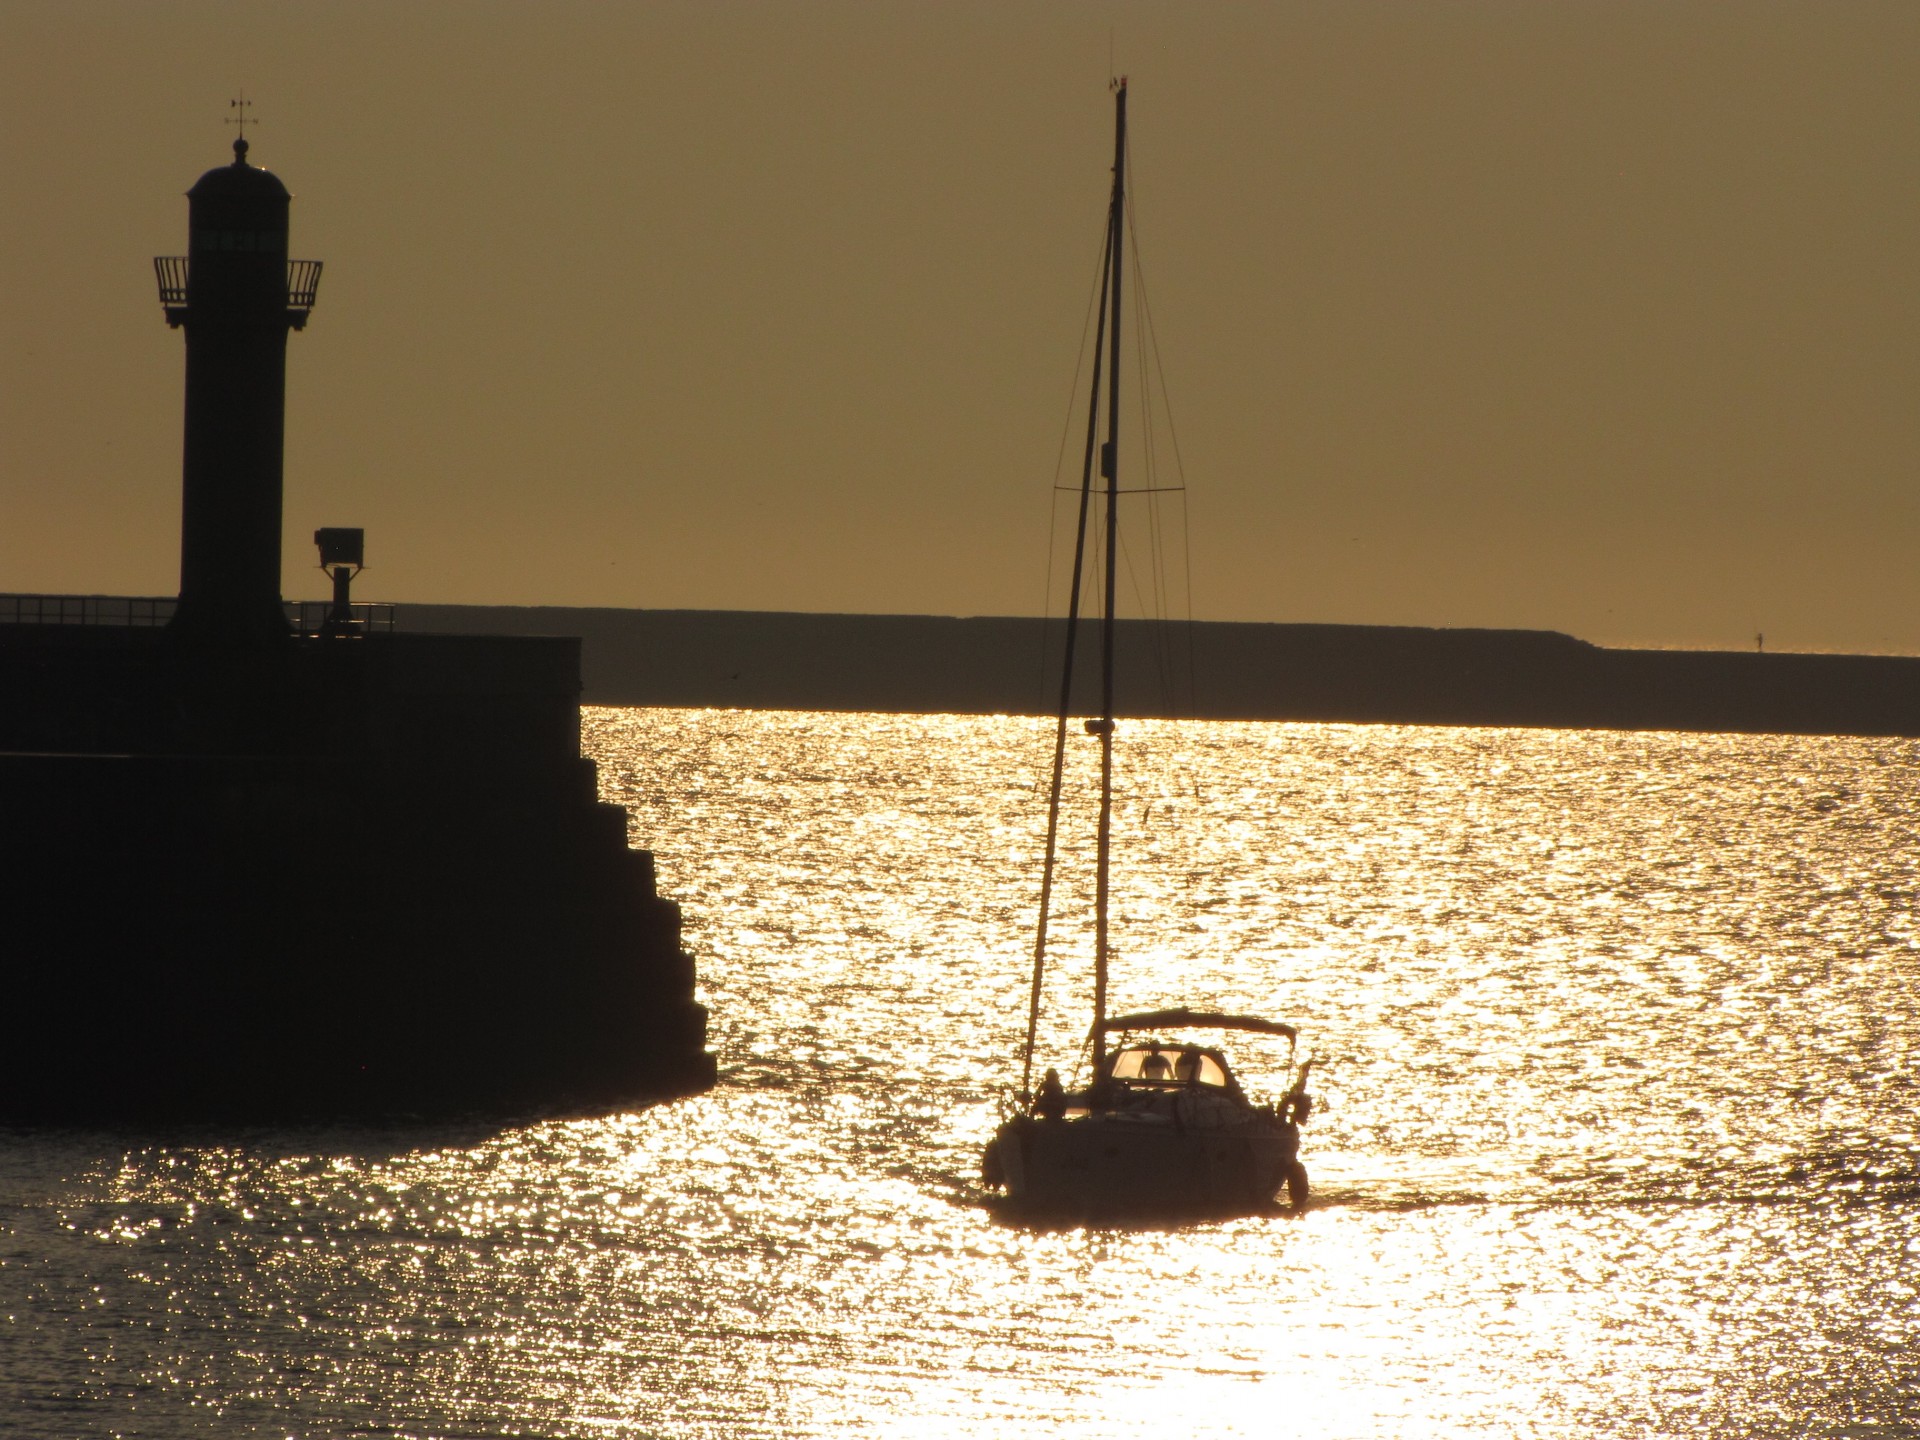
{"x": 1593, "y": 315}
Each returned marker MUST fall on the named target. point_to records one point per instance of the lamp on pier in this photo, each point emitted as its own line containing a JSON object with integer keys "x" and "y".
{"x": 342, "y": 556}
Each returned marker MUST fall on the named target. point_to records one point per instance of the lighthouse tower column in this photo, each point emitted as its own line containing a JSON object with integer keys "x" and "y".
{"x": 236, "y": 295}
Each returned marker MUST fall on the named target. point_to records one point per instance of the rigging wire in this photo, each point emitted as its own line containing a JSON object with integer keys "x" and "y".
{"x": 1149, "y": 346}
{"x": 1153, "y": 606}
{"x": 1150, "y": 343}
{"x": 1060, "y": 459}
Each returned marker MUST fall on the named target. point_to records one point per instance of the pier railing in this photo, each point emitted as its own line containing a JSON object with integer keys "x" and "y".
{"x": 307, "y": 616}
{"x": 137, "y": 611}
{"x": 86, "y": 609}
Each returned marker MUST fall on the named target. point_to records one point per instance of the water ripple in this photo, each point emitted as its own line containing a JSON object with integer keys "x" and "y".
{"x": 1617, "y": 1037}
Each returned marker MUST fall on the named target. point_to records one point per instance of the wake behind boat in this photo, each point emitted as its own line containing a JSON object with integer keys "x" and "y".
{"x": 1162, "y": 1129}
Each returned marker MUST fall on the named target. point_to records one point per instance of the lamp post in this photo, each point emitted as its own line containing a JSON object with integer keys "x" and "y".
{"x": 342, "y": 556}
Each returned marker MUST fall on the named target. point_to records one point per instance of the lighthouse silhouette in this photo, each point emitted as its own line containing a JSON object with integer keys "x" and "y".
{"x": 236, "y": 294}
{"x": 260, "y": 876}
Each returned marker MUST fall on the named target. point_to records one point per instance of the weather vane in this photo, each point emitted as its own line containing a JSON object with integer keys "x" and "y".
{"x": 239, "y": 118}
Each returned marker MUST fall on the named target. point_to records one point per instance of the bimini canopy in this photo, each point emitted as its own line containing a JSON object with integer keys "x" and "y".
{"x": 1185, "y": 1019}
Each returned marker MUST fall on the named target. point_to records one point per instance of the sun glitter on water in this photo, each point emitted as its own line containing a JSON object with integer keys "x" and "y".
{"x": 1618, "y": 1032}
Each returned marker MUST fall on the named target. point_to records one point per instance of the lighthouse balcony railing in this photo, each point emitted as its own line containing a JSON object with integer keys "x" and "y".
{"x": 303, "y": 287}
{"x": 171, "y": 272}
{"x": 303, "y": 284}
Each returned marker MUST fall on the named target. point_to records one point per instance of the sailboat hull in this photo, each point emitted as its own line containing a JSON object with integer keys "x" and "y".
{"x": 1125, "y": 1166}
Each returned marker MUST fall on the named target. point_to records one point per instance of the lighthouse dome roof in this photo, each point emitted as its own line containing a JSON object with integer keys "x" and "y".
{"x": 239, "y": 180}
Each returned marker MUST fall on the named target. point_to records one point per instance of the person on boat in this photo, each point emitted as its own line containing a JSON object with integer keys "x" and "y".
{"x": 1156, "y": 1067}
{"x": 1051, "y": 1102}
{"x": 1291, "y": 1169}
{"x": 1297, "y": 1104}
{"x": 1293, "y": 1111}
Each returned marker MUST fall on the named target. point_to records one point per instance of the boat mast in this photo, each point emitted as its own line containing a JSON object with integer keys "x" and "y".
{"x": 1110, "y": 469}
{"x": 1066, "y": 679}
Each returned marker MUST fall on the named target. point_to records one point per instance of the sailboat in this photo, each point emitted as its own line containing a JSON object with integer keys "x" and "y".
{"x": 1162, "y": 1127}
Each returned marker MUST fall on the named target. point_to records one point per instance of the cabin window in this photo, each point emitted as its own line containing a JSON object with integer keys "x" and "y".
{"x": 1204, "y": 1069}
{"x": 1170, "y": 1064}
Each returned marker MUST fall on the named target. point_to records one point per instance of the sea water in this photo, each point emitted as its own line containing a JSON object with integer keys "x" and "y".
{"x": 1615, "y": 1038}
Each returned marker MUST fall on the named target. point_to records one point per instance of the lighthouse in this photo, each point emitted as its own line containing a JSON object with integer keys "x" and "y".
{"x": 236, "y": 294}
{"x": 260, "y": 876}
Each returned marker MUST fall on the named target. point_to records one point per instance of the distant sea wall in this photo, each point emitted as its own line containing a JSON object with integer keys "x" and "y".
{"x": 1210, "y": 670}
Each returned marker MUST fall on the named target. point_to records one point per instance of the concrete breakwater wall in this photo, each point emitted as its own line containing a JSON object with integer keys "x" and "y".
{"x": 323, "y": 879}
{"x": 1358, "y": 673}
